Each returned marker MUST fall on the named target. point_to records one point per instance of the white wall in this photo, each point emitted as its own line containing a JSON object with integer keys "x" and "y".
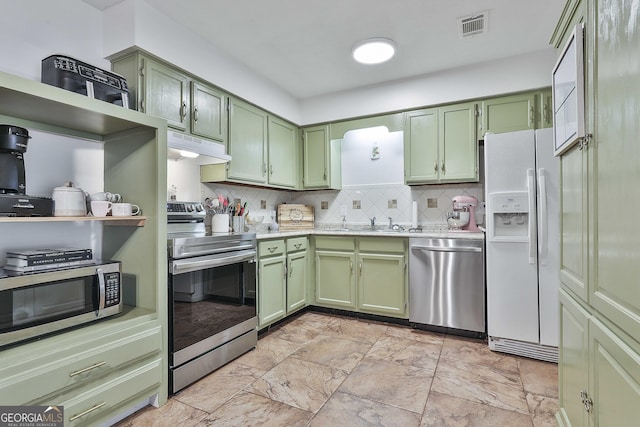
{"x": 33, "y": 30}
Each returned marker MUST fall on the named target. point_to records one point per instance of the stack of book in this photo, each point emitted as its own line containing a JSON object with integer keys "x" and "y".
{"x": 30, "y": 261}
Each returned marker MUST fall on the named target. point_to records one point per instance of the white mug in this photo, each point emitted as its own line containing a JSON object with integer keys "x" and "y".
{"x": 100, "y": 207}
{"x": 105, "y": 195}
{"x": 124, "y": 209}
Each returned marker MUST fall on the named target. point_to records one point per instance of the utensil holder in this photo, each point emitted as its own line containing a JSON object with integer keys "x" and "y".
{"x": 237, "y": 224}
{"x": 220, "y": 223}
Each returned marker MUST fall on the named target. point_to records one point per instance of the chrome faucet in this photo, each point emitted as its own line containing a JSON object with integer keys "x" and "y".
{"x": 390, "y": 222}
{"x": 373, "y": 222}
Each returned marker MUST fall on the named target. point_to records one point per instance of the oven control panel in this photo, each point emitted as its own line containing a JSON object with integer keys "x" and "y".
{"x": 185, "y": 207}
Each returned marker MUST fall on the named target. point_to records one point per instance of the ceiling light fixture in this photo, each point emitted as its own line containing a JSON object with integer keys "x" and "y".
{"x": 374, "y": 51}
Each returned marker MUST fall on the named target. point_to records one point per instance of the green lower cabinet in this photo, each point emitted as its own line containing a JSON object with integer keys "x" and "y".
{"x": 616, "y": 377}
{"x": 381, "y": 287}
{"x": 283, "y": 278}
{"x": 599, "y": 370}
{"x": 297, "y": 280}
{"x": 366, "y": 275}
{"x": 573, "y": 364}
{"x": 272, "y": 281}
{"x": 335, "y": 279}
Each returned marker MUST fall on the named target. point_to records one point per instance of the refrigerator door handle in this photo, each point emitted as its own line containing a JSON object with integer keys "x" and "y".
{"x": 531, "y": 184}
{"x": 543, "y": 236}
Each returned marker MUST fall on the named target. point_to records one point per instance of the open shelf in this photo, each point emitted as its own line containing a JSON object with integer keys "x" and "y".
{"x": 137, "y": 221}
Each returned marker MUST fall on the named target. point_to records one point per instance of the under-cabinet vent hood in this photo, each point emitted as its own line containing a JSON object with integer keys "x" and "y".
{"x": 214, "y": 150}
{"x": 473, "y": 25}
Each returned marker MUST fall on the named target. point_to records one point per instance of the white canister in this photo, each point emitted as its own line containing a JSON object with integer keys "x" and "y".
{"x": 220, "y": 223}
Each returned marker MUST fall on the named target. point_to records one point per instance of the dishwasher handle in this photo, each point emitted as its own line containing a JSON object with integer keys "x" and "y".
{"x": 447, "y": 249}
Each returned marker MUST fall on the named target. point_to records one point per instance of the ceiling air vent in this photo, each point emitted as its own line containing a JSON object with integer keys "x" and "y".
{"x": 476, "y": 24}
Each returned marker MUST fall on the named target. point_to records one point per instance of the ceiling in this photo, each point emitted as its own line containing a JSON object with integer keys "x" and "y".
{"x": 304, "y": 46}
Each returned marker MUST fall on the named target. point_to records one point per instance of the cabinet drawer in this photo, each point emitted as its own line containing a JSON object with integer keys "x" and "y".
{"x": 297, "y": 244}
{"x": 271, "y": 247}
{"x": 100, "y": 403}
{"x": 335, "y": 243}
{"x": 382, "y": 244}
{"x": 81, "y": 365}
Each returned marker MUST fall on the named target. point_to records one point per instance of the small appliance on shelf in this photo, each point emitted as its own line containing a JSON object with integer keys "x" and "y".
{"x": 79, "y": 77}
{"x": 13, "y": 200}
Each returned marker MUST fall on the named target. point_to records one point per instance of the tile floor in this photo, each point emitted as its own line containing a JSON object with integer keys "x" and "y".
{"x": 324, "y": 370}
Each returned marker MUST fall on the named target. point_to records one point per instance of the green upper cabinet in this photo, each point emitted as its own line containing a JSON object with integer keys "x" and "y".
{"x": 440, "y": 145}
{"x": 247, "y": 142}
{"x": 458, "y": 143}
{"x": 162, "y": 90}
{"x": 544, "y": 110}
{"x": 421, "y": 146}
{"x": 282, "y": 153}
{"x": 208, "y": 112}
{"x": 508, "y": 113}
{"x": 320, "y": 159}
{"x": 166, "y": 93}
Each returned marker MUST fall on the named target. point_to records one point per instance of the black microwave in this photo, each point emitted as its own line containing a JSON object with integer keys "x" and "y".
{"x": 32, "y": 305}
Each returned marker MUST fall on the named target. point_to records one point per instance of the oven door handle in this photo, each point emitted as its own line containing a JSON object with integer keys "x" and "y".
{"x": 188, "y": 265}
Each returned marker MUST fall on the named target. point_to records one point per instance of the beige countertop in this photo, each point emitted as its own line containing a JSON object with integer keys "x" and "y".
{"x": 359, "y": 232}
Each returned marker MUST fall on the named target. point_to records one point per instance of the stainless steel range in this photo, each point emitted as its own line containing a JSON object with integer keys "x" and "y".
{"x": 212, "y": 288}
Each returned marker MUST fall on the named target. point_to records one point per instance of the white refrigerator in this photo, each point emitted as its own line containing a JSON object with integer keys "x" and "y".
{"x": 522, "y": 195}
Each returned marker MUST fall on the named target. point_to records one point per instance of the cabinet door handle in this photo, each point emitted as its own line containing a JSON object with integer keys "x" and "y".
{"x": 87, "y": 369}
{"x": 545, "y": 113}
{"x": 297, "y": 245}
{"x": 195, "y": 114}
{"x": 444, "y": 172}
{"x": 290, "y": 269}
{"x": 325, "y": 174}
{"x": 264, "y": 169}
{"x": 183, "y": 110}
{"x": 88, "y": 411}
{"x": 586, "y": 401}
{"x": 351, "y": 265}
{"x": 272, "y": 249}
{"x": 531, "y": 116}
{"x": 270, "y": 169}
{"x": 435, "y": 166}
{"x": 360, "y": 268}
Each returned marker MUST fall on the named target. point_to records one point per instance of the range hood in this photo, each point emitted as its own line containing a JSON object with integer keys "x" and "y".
{"x": 182, "y": 142}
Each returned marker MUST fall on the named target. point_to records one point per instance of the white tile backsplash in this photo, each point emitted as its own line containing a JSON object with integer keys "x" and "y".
{"x": 373, "y": 199}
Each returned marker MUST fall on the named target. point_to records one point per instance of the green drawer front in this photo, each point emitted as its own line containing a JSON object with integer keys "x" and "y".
{"x": 335, "y": 243}
{"x": 382, "y": 244}
{"x": 99, "y": 404}
{"x": 297, "y": 244}
{"x": 271, "y": 247}
{"x": 75, "y": 371}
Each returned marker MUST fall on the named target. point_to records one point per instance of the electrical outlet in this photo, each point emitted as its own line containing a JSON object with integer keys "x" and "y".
{"x": 357, "y": 204}
{"x": 392, "y": 204}
{"x": 263, "y": 204}
{"x": 324, "y": 204}
{"x": 432, "y": 202}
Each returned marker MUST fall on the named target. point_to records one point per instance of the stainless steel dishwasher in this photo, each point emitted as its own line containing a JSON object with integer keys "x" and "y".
{"x": 446, "y": 283}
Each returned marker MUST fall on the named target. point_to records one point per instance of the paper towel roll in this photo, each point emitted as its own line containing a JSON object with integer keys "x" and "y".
{"x": 414, "y": 215}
